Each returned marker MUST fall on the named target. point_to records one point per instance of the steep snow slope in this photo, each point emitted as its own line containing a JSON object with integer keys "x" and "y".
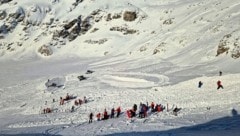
{"x": 163, "y": 28}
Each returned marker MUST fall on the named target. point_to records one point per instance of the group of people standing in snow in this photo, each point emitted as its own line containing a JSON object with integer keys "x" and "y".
{"x": 105, "y": 115}
{"x": 143, "y": 111}
{"x": 66, "y": 98}
{"x": 219, "y": 83}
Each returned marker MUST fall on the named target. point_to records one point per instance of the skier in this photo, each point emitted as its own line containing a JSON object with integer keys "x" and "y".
{"x": 219, "y": 84}
{"x": 90, "y": 117}
{"x": 200, "y": 84}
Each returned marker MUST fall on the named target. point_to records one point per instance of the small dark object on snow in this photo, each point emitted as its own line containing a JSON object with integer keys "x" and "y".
{"x": 176, "y": 110}
{"x": 89, "y": 72}
{"x": 81, "y": 78}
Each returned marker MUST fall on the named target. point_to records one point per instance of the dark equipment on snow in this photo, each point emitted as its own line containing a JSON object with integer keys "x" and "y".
{"x": 81, "y": 78}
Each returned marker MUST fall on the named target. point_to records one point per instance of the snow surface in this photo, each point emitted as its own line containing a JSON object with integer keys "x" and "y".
{"x": 126, "y": 76}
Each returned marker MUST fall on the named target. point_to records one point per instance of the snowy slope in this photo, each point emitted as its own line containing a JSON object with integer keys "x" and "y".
{"x": 159, "y": 56}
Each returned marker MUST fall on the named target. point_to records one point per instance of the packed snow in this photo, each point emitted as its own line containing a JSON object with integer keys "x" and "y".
{"x": 174, "y": 48}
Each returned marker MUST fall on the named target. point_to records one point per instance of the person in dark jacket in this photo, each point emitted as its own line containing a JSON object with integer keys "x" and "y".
{"x": 200, "y": 84}
{"x": 118, "y": 111}
{"x": 90, "y": 117}
{"x": 112, "y": 113}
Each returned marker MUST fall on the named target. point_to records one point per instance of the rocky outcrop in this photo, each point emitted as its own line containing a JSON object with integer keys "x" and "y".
{"x": 101, "y": 41}
{"x": 74, "y": 28}
{"x": 129, "y": 15}
{"x": 223, "y": 45}
{"x": 230, "y": 44}
{"x": 18, "y": 16}
{"x": 3, "y": 14}
{"x": 45, "y": 50}
{"x": 124, "y": 30}
{"x": 4, "y": 1}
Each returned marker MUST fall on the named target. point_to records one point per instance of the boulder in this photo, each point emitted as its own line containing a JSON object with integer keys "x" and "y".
{"x": 45, "y": 50}
{"x": 129, "y": 15}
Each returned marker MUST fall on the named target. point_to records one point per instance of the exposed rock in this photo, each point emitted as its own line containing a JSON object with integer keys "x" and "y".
{"x": 101, "y": 41}
{"x": 116, "y": 16}
{"x": 19, "y": 15}
{"x": 86, "y": 25}
{"x": 3, "y": 14}
{"x": 125, "y": 30}
{"x": 4, "y": 29}
{"x": 70, "y": 24}
{"x": 94, "y": 30}
{"x": 109, "y": 18}
{"x": 155, "y": 51}
{"x": 222, "y": 47}
{"x": 129, "y": 16}
{"x": 236, "y": 50}
{"x": 4, "y": 1}
{"x": 159, "y": 48}
{"x": 106, "y": 53}
{"x": 143, "y": 48}
{"x": 73, "y": 29}
{"x": 168, "y": 21}
{"x": 1, "y": 37}
{"x": 45, "y": 50}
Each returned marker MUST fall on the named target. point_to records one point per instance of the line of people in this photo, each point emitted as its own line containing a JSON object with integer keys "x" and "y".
{"x": 105, "y": 115}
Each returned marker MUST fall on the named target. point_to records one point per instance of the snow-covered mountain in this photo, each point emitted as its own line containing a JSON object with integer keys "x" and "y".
{"x": 100, "y": 28}
{"x": 136, "y": 51}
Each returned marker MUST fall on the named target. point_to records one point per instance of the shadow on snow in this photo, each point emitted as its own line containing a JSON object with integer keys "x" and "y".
{"x": 226, "y": 126}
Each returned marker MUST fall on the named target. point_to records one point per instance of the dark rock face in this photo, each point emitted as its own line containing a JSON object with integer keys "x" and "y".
{"x": 4, "y": 1}
{"x": 73, "y": 29}
{"x": 3, "y": 14}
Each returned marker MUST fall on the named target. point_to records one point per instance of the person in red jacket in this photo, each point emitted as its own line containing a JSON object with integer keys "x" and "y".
{"x": 105, "y": 115}
{"x": 219, "y": 84}
{"x": 118, "y": 111}
{"x": 99, "y": 116}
